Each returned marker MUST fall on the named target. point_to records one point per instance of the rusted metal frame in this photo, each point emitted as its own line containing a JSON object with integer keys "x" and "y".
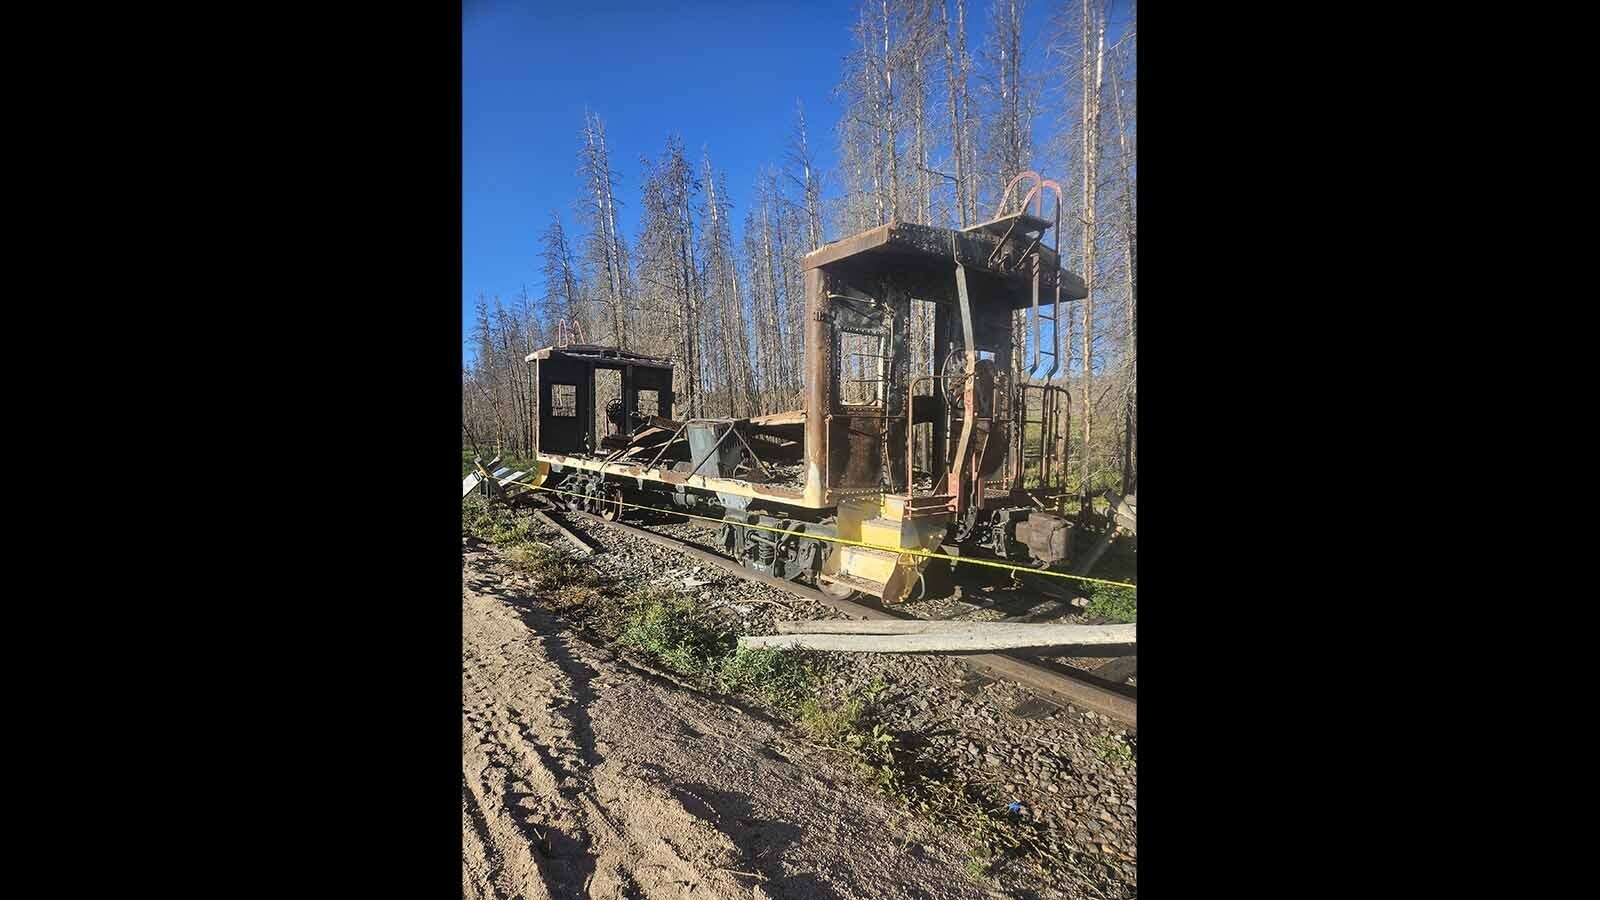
{"x": 982, "y": 430}
{"x": 816, "y": 386}
{"x": 1031, "y": 247}
{"x": 886, "y": 359}
{"x": 1050, "y": 397}
{"x": 1048, "y": 413}
{"x": 1038, "y": 207}
{"x": 911, "y": 434}
{"x": 1006, "y": 194}
{"x": 1022, "y": 427}
{"x": 624, "y": 449}
{"x": 720, "y": 438}
{"x": 1000, "y": 246}
{"x": 969, "y": 419}
{"x": 1033, "y": 367}
{"x": 911, "y": 393}
{"x": 1047, "y": 422}
{"x": 663, "y": 451}
{"x": 1047, "y": 436}
{"x": 751, "y": 450}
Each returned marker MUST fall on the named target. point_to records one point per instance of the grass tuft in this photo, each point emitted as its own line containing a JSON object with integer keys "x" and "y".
{"x": 1111, "y": 602}
{"x": 1115, "y": 750}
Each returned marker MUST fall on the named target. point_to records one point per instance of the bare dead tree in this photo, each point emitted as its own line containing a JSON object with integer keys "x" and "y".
{"x": 669, "y": 275}
{"x": 722, "y": 293}
{"x": 1007, "y": 145}
{"x": 600, "y": 205}
{"x": 1131, "y": 305}
{"x": 1093, "y": 23}
{"x": 805, "y": 179}
{"x": 562, "y": 296}
{"x": 497, "y": 384}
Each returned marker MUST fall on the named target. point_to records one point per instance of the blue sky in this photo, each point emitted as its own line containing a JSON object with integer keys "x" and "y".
{"x": 723, "y": 75}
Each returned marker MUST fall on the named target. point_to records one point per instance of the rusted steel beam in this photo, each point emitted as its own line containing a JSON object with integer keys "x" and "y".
{"x": 818, "y": 382}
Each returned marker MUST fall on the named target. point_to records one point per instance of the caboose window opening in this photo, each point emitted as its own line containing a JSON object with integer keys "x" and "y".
{"x": 564, "y": 400}
{"x": 863, "y": 367}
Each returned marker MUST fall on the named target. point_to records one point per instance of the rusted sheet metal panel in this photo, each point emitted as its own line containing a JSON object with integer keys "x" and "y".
{"x": 855, "y": 459}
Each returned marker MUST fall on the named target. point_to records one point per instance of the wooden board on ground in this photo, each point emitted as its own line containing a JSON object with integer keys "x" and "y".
{"x": 572, "y": 537}
{"x": 939, "y": 637}
{"x": 1099, "y": 633}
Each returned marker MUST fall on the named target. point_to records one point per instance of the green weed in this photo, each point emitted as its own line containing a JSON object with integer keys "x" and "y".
{"x": 829, "y": 723}
{"x": 783, "y": 677}
{"x": 1107, "y": 601}
{"x": 1115, "y": 750}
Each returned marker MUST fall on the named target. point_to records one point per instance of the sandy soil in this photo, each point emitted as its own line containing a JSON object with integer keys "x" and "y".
{"x": 586, "y": 776}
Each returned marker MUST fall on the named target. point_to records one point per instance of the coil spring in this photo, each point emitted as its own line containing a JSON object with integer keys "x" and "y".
{"x": 764, "y": 550}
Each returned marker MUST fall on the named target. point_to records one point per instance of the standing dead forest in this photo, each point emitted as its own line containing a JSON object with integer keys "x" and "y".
{"x": 931, "y": 131}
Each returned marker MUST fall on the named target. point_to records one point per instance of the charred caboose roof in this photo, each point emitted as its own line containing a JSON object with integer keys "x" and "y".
{"x": 901, "y": 246}
{"x": 597, "y": 353}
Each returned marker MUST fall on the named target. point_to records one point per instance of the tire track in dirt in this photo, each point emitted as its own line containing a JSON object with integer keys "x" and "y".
{"x": 478, "y": 872}
{"x": 547, "y": 760}
{"x": 584, "y": 779}
{"x": 525, "y": 807}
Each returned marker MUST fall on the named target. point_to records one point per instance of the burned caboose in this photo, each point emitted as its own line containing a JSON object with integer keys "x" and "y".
{"x": 963, "y": 459}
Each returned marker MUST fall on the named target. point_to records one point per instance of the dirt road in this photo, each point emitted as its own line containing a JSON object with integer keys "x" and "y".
{"x": 585, "y": 776}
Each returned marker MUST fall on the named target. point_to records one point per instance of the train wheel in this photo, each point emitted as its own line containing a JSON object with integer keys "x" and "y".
{"x": 611, "y": 506}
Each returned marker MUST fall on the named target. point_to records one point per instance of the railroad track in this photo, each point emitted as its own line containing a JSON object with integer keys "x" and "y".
{"x": 1053, "y": 682}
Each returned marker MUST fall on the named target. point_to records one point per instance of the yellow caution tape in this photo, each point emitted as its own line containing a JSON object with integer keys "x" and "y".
{"x": 907, "y": 551}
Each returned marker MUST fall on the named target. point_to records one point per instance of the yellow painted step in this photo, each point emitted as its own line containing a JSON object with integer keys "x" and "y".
{"x": 883, "y": 532}
{"x": 894, "y": 507}
{"x": 864, "y": 562}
